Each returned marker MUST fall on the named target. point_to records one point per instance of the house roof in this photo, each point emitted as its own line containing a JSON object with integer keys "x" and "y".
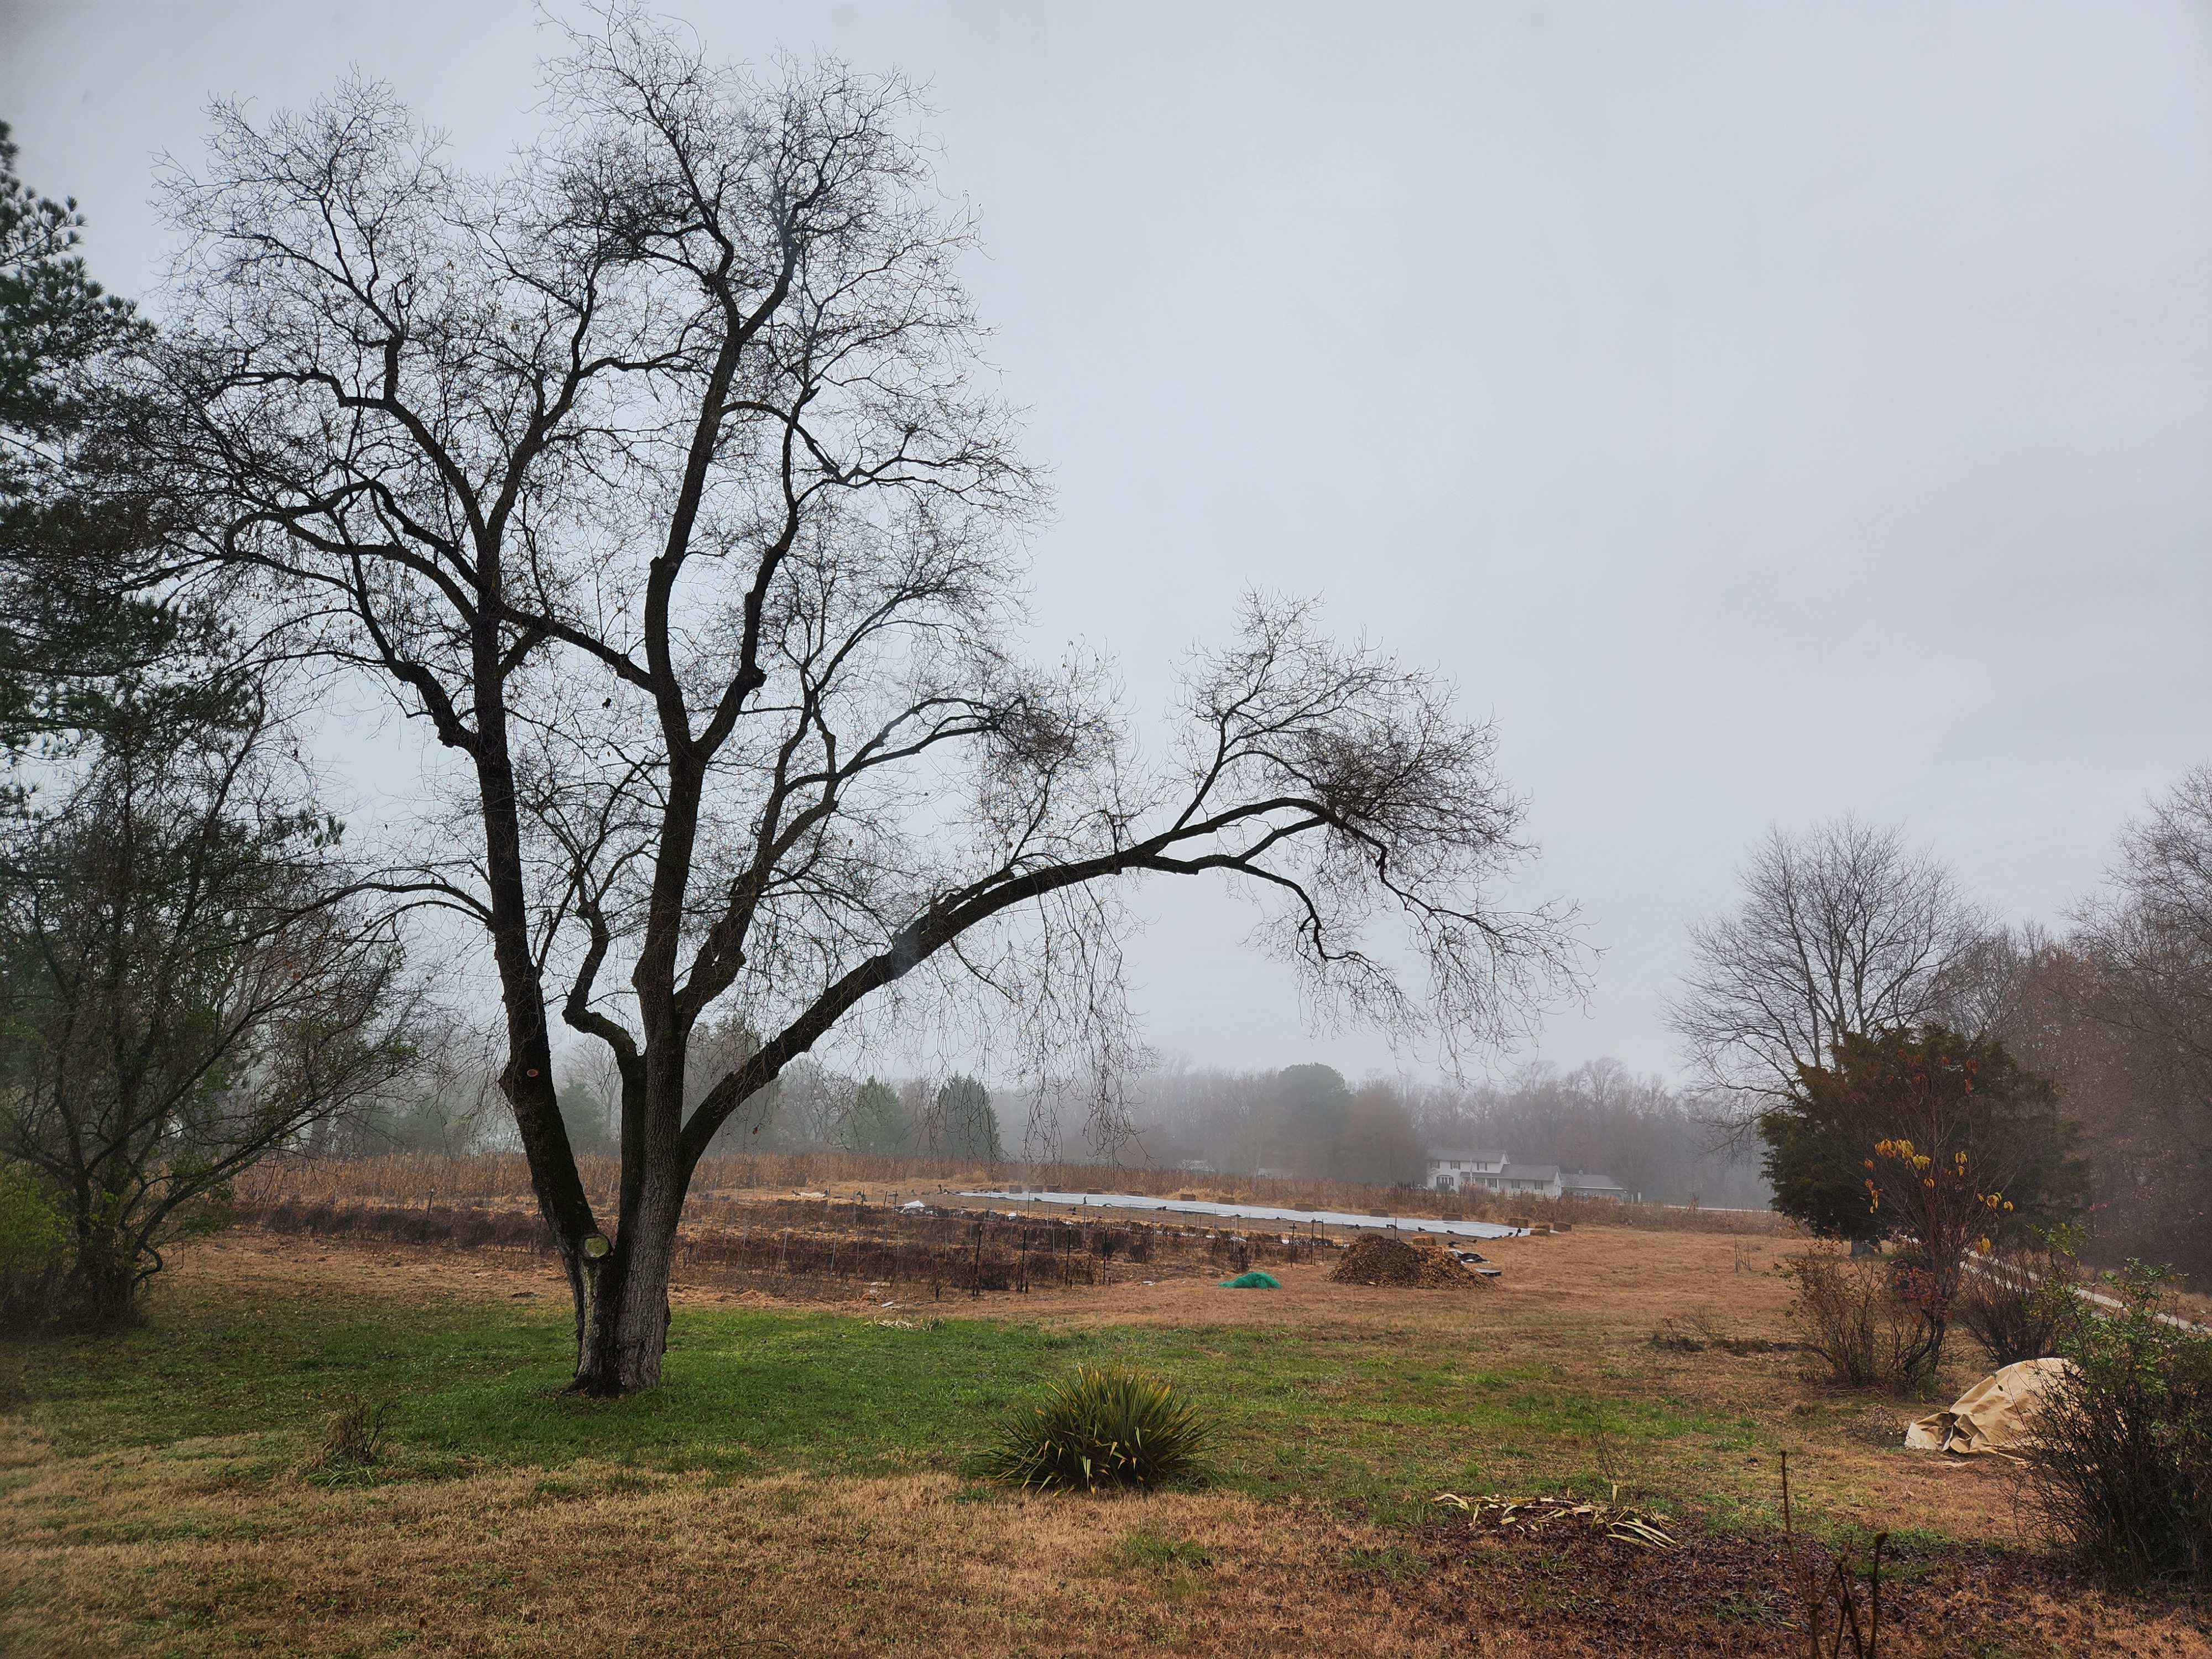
{"x": 1464, "y": 1155}
{"x": 1592, "y": 1183}
{"x": 1530, "y": 1172}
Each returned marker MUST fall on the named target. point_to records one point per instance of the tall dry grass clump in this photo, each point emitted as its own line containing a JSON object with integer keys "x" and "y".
{"x": 356, "y": 1436}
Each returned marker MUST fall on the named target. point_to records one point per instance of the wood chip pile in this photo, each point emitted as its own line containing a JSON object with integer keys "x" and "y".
{"x": 1379, "y": 1260}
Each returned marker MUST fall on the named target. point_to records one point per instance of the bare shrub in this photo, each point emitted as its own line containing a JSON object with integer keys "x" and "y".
{"x": 1852, "y": 1316}
{"x": 2016, "y": 1301}
{"x": 1838, "y": 1624}
{"x": 2120, "y": 1463}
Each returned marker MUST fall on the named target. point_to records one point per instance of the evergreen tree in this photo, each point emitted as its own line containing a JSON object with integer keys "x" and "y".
{"x": 80, "y": 521}
{"x": 876, "y": 1123}
{"x": 1960, "y": 1102}
{"x": 1381, "y": 1144}
{"x": 589, "y": 1120}
{"x": 963, "y": 1126}
{"x": 1303, "y": 1125}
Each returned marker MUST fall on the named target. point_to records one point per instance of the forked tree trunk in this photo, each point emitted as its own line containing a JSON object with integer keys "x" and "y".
{"x": 621, "y": 1321}
{"x": 622, "y": 1297}
{"x": 620, "y": 1285}
{"x": 622, "y": 1317}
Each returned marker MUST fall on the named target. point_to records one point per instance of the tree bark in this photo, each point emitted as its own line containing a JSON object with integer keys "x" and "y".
{"x": 106, "y": 1294}
{"x": 622, "y": 1298}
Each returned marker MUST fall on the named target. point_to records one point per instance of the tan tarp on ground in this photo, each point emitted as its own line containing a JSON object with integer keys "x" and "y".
{"x": 1994, "y": 1415}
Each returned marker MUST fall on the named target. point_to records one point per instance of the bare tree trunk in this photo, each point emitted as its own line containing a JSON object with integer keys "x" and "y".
{"x": 595, "y": 1270}
{"x": 622, "y": 1298}
{"x": 827, "y": 401}
{"x": 106, "y": 1285}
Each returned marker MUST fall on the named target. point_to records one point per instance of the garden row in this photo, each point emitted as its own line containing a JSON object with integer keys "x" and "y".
{"x": 812, "y": 1246}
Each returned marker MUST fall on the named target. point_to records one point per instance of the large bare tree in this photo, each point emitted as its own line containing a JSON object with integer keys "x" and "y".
{"x": 657, "y": 476}
{"x": 2151, "y": 932}
{"x": 1844, "y": 930}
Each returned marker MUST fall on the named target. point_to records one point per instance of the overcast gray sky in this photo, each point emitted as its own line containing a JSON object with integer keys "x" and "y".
{"x": 1765, "y": 411}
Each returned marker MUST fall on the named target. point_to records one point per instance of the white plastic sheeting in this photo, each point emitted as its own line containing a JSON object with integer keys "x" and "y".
{"x": 1404, "y": 1223}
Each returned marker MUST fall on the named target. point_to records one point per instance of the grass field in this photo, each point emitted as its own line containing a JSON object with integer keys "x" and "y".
{"x": 797, "y": 1486}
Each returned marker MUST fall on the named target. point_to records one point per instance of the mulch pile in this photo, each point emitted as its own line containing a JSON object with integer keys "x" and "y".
{"x": 1376, "y": 1260}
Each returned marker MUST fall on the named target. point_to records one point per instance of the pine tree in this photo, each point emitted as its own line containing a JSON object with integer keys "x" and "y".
{"x": 876, "y": 1124}
{"x": 964, "y": 1127}
{"x": 79, "y": 520}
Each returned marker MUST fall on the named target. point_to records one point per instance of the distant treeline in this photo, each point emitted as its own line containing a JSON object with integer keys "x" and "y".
{"x": 1307, "y": 1120}
{"x": 811, "y": 1107}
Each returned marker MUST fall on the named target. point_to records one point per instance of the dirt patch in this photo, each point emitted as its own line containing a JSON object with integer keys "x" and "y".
{"x": 1697, "y": 1335}
{"x": 1878, "y": 1425}
{"x": 1572, "y": 1591}
{"x": 1393, "y": 1261}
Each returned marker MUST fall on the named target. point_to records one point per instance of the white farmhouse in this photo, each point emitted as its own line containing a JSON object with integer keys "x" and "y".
{"x": 1451, "y": 1168}
{"x": 1526, "y": 1181}
{"x": 1472, "y": 1170}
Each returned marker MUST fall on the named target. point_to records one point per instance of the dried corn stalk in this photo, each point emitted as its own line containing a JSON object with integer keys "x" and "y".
{"x": 1622, "y": 1523}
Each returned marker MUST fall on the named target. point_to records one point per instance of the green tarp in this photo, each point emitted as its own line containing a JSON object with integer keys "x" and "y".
{"x": 1255, "y": 1280}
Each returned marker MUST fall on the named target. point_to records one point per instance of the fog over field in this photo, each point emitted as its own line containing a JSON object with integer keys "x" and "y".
{"x": 1766, "y": 412}
{"x": 788, "y": 788}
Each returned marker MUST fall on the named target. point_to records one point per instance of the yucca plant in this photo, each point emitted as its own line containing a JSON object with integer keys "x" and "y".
{"x": 1109, "y": 1427}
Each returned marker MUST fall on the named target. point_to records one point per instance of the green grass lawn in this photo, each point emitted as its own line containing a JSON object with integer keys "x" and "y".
{"x": 161, "y": 1490}
{"x": 477, "y": 1386}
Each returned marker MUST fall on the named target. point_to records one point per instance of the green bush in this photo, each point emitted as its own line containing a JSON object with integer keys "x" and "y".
{"x": 2121, "y": 1459}
{"x": 1108, "y": 1427}
{"x": 33, "y": 1250}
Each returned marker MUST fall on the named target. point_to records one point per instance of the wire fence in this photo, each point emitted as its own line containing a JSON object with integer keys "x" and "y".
{"x": 497, "y": 1180}
{"x": 827, "y": 1248}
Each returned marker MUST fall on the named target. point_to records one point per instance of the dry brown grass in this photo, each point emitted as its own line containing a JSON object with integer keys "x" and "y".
{"x": 194, "y": 1548}
{"x": 602, "y": 1561}
{"x": 1582, "y": 1306}
{"x": 519, "y": 1564}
